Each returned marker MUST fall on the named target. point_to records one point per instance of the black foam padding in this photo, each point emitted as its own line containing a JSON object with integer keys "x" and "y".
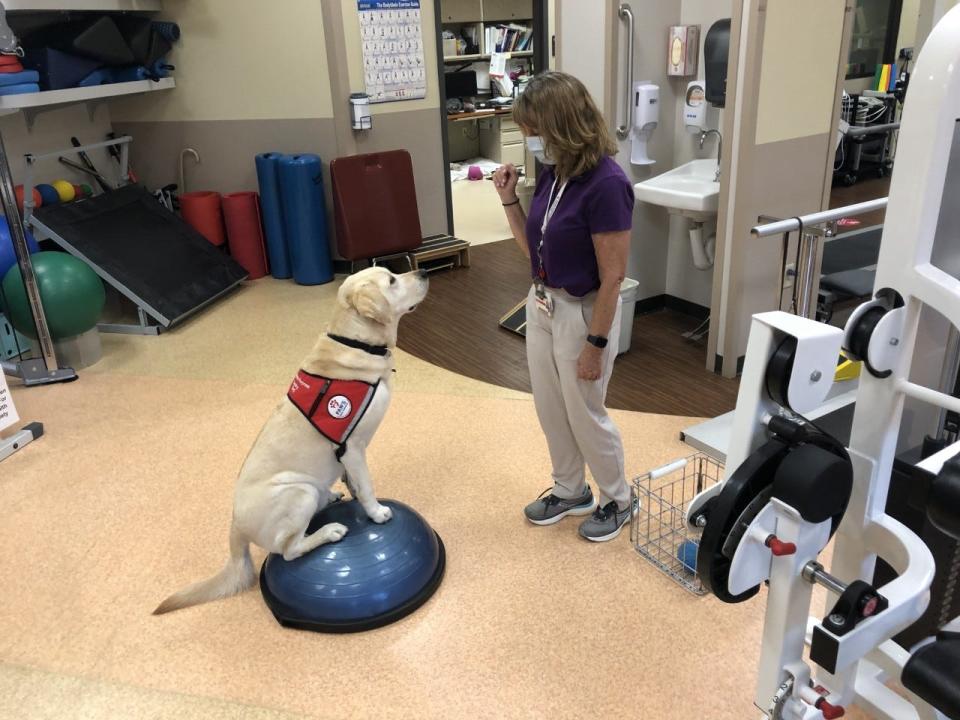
{"x": 943, "y": 502}
{"x": 931, "y": 674}
{"x": 852, "y": 250}
{"x": 815, "y": 482}
{"x": 98, "y": 38}
{"x": 850, "y": 283}
{"x": 145, "y": 247}
{"x": 137, "y": 31}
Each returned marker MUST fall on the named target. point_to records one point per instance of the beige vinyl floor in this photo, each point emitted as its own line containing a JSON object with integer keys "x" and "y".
{"x": 478, "y": 215}
{"x": 127, "y": 498}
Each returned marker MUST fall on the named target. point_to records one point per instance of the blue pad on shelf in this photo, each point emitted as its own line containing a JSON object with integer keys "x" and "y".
{"x": 19, "y": 89}
{"x": 20, "y": 78}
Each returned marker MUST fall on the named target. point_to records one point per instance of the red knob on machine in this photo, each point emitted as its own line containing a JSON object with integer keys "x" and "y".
{"x": 780, "y": 548}
{"x": 830, "y": 712}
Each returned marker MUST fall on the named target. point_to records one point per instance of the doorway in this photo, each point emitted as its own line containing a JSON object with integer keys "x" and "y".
{"x": 486, "y": 49}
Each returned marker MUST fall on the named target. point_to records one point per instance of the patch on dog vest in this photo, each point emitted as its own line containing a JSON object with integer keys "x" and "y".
{"x": 333, "y": 407}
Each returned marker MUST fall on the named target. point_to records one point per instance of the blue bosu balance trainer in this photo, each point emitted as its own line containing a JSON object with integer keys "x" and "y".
{"x": 374, "y": 576}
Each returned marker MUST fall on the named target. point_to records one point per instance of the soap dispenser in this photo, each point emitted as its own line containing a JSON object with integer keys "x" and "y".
{"x": 695, "y": 107}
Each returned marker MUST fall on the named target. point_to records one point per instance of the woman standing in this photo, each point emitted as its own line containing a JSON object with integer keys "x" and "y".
{"x": 577, "y": 238}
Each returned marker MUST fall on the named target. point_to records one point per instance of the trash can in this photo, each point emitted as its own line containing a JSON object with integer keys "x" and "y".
{"x": 628, "y": 294}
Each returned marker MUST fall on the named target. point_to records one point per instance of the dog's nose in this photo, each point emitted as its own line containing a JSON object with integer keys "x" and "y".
{"x": 422, "y": 274}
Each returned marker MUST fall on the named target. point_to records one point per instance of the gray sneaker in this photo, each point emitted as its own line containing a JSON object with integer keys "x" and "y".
{"x": 607, "y": 521}
{"x": 548, "y": 508}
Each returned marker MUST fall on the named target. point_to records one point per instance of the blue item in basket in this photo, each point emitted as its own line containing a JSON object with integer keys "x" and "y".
{"x": 26, "y": 77}
{"x": 19, "y": 89}
{"x": 269, "y": 181}
{"x": 687, "y": 555}
{"x": 305, "y": 218}
{"x": 59, "y": 70}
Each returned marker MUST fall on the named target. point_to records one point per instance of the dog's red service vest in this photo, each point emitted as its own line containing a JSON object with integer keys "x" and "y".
{"x": 333, "y": 407}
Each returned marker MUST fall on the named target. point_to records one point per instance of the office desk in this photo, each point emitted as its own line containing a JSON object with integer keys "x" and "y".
{"x": 499, "y": 136}
{"x": 479, "y": 114}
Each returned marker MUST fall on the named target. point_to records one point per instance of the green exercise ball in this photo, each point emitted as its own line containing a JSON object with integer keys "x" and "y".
{"x": 73, "y": 296}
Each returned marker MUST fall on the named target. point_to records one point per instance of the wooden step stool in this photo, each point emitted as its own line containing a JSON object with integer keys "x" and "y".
{"x": 439, "y": 247}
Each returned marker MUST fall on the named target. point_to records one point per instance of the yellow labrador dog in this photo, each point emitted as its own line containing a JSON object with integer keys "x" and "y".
{"x": 321, "y": 429}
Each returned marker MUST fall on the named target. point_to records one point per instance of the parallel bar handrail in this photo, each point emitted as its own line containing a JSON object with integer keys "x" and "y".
{"x": 624, "y": 130}
{"x": 858, "y": 130}
{"x": 791, "y": 224}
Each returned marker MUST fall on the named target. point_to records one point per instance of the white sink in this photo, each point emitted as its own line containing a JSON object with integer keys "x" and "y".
{"x": 689, "y": 190}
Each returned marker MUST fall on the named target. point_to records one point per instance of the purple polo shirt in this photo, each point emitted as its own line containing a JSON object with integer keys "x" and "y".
{"x": 599, "y": 200}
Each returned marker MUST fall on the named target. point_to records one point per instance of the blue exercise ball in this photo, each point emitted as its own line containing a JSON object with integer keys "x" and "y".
{"x": 7, "y": 257}
{"x": 374, "y": 576}
{"x": 49, "y": 194}
{"x": 687, "y": 555}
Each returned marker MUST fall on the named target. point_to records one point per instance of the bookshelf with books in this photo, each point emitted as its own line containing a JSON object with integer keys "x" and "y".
{"x": 475, "y": 29}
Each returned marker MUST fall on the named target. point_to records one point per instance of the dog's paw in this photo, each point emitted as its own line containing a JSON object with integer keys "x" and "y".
{"x": 334, "y": 532}
{"x": 335, "y": 496}
{"x": 381, "y": 514}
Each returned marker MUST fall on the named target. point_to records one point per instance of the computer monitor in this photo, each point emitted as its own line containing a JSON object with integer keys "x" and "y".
{"x": 461, "y": 84}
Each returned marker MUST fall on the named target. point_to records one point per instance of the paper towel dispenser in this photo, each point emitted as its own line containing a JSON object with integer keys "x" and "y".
{"x": 716, "y": 49}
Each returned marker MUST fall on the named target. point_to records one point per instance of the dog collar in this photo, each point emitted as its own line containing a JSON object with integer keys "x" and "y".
{"x": 380, "y": 350}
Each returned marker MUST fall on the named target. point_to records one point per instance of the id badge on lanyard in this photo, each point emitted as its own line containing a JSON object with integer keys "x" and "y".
{"x": 544, "y": 301}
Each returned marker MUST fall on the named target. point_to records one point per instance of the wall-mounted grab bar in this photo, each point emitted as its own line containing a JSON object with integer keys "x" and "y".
{"x": 623, "y": 131}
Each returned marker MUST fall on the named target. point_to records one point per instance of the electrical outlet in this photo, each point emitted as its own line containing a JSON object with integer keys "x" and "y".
{"x": 789, "y": 274}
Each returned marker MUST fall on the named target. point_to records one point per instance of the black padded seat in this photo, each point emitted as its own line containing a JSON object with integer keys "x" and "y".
{"x": 850, "y": 283}
{"x": 933, "y": 674}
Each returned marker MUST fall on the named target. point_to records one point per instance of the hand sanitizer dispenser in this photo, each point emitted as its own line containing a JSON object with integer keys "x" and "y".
{"x": 695, "y": 107}
{"x": 646, "y": 113}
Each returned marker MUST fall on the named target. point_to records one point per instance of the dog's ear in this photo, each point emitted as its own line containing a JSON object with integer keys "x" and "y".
{"x": 370, "y": 302}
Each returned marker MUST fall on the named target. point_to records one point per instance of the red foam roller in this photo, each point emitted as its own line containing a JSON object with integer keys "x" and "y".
{"x": 203, "y": 211}
{"x": 244, "y": 220}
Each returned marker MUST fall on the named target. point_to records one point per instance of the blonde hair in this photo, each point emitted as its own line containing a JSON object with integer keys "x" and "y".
{"x": 557, "y": 107}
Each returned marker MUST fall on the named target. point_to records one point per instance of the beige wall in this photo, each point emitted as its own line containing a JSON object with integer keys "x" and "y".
{"x": 277, "y": 77}
{"x": 255, "y": 62}
{"x": 796, "y": 99}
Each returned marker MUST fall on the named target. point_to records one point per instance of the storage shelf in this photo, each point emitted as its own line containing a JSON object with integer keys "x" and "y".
{"x": 34, "y": 101}
{"x": 469, "y": 58}
{"x": 83, "y": 5}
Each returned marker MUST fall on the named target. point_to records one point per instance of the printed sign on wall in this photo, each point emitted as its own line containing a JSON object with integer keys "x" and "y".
{"x": 393, "y": 65}
{"x": 8, "y": 413}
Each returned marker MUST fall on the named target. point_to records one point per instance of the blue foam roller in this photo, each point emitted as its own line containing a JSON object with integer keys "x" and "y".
{"x": 375, "y": 575}
{"x": 305, "y": 218}
{"x": 269, "y": 181}
{"x": 49, "y": 194}
{"x": 687, "y": 555}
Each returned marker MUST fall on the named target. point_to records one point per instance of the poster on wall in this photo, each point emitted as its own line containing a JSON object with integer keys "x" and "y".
{"x": 8, "y": 413}
{"x": 393, "y": 63}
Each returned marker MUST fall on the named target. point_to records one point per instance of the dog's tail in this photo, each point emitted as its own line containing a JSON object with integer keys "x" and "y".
{"x": 238, "y": 575}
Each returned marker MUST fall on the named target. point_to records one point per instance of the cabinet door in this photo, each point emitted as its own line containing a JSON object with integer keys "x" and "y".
{"x": 507, "y": 10}
{"x": 452, "y": 11}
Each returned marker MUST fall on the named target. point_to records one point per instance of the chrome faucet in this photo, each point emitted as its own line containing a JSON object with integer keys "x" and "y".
{"x": 703, "y": 136}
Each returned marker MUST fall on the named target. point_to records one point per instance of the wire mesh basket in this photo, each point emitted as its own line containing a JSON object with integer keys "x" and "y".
{"x": 659, "y": 530}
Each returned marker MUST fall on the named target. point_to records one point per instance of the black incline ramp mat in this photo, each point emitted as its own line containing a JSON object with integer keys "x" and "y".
{"x": 143, "y": 250}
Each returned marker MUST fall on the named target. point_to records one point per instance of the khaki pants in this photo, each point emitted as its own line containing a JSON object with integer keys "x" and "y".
{"x": 571, "y": 411}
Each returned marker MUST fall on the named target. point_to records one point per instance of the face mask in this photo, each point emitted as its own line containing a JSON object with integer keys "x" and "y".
{"x": 535, "y": 145}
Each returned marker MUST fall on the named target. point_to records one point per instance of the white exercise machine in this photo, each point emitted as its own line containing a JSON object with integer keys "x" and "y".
{"x": 790, "y": 487}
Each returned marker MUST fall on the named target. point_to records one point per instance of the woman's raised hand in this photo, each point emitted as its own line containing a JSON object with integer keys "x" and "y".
{"x": 505, "y": 181}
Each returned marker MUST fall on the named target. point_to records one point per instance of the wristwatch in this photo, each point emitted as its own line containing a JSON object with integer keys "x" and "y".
{"x": 597, "y": 341}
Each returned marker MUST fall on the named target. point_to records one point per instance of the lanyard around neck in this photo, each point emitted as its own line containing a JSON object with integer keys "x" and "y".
{"x": 552, "y": 203}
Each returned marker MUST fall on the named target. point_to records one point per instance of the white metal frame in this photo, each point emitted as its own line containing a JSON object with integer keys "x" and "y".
{"x": 865, "y": 657}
